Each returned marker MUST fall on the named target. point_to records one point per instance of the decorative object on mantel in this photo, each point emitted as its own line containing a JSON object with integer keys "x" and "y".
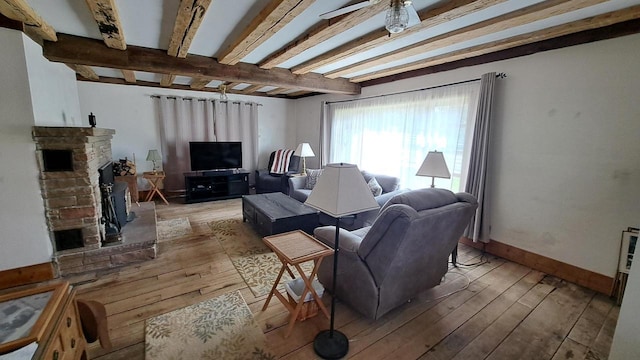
{"x": 627, "y": 249}
{"x": 340, "y": 191}
{"x": 434, "y": 166}
{"x": 153, "y": 156}
{"x": 304, "y": 150}
{"x": 92, "y": 120}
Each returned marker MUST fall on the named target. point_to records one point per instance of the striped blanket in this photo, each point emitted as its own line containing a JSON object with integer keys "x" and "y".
{"x": 281, "y": 161}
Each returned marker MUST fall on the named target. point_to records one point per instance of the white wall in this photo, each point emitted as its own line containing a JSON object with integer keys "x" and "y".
{"x": 54, "y": 90}
{"x": 565, "y": 164}
{"x": 131, "y": 112}
{"x": 28, "y": 83}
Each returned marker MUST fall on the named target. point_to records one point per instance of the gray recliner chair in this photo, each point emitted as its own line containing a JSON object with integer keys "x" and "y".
{"x": 403, "y": 253}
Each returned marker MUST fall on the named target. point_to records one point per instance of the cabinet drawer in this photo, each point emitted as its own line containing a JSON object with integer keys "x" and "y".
{"x": 263, "y": 224}
{"x": 55, "y": 350}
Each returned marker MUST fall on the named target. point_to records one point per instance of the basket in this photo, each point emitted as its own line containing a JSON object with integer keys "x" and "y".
{"x": 309, "y": 307}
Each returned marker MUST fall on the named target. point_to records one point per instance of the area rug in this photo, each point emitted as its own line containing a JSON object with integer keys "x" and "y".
{"x": 255, "y": 262}
{"x": 218, "y": 328}
{"x": 173, "y": 228}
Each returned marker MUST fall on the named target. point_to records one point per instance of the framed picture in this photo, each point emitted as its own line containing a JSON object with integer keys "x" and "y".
{"x": 25, "y": 314}
{"x": 627, "y": 249}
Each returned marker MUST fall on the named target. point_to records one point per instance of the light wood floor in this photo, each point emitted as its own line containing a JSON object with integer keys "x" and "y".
{"x": 506, "y": 311}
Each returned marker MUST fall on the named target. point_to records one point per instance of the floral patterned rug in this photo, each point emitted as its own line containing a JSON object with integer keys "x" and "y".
{"x": 218, "y": 328}
{"x": 255, "y": 262}
{"x": 173, "y": 228}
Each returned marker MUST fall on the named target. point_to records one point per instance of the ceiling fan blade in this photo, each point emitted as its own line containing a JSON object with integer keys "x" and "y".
{"x": 344, "y": 10}
{"x": 414, "y": 19}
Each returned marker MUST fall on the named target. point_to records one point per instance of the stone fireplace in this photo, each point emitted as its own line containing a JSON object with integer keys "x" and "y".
{"x": 71, "y": 161}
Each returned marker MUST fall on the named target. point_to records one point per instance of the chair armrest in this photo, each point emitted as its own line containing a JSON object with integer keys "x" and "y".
{"x": 297, "y": 182}
{"x": 349, "y": 242}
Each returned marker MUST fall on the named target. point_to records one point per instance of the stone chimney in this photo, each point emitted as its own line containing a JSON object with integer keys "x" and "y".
{"x": 69, "y": 159}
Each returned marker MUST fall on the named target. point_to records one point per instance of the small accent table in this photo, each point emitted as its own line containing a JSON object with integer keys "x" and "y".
{"x": 294, "y": 248}
{"x": 154, "y": 180}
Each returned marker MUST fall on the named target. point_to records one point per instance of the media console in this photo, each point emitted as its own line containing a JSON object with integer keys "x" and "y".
{"x": 215, "y": 185}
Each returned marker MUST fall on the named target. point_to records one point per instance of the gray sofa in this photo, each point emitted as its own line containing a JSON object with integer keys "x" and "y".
{"x": 403, "y": 253}
{"x": 390, "y": 187}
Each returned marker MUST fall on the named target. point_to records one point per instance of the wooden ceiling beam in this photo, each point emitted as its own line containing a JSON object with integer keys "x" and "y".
{"x": 84, "y": 71}
{"x": 298, "y": 93}
{"x": 594, "y": 22}
{"x": 515, "y": 18}
{"x": 277, "y": 91}
{"x": 231, "y": 85}
{"x": 105, "y": 13}
{"x": 21, "y": 11}
{"x": 252, "y": 88}
{"x": 188, "y": 20}
{"x": 431, "y": 17}
{"x": 269, "y": 21}
{"x": 129, "y": 76}
{"x": 167, "y": 80}
{"x": 85, "y": 51}
{"x": 321, "y": 32}
{"x": 120, "y": 81}
{"x": 199, "y": 83}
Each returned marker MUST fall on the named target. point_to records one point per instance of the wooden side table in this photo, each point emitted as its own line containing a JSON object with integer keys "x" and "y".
{"x": 154, "y": 180}
{"x": 294, "y": 248}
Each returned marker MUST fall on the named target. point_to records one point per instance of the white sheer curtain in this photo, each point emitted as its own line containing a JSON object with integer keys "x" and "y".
{"x": 393, "y": 134}
{"x": 187, "y": 119}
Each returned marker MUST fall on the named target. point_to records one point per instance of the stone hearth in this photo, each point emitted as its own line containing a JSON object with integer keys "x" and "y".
{"x": 69, "y": 159}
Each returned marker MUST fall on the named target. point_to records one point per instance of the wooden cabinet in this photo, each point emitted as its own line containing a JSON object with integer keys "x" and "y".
{"x": 212, "y": 185}
{"x": 57, "y": 329}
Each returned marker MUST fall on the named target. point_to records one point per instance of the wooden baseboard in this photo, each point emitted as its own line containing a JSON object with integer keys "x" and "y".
{"x": 589, "y": 279}
{"x": 26, "y": 275}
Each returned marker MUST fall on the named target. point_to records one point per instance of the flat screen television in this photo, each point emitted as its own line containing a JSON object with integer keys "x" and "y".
{"x": 218, "y": 155}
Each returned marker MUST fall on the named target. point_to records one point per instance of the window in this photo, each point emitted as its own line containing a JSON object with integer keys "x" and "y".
{"x": 393, "y": 134}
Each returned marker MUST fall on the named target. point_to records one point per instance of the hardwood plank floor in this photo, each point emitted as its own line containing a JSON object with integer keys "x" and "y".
{"x": 495, "y": 309}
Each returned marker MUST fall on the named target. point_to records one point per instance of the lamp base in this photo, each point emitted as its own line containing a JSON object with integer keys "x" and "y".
{"x": 328, "y": 347}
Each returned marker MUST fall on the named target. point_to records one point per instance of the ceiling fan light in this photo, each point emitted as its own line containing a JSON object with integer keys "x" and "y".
{"x": 397, "y": 17}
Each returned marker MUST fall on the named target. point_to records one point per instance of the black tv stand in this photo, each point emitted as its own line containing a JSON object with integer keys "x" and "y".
{"x": 215, "y": 185}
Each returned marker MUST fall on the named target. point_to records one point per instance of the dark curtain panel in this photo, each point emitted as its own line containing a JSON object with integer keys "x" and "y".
{"x": 478, "y": 229}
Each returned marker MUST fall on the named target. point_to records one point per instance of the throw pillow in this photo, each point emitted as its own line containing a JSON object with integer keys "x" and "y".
{"x": 375, "y": 188}
{"x": 312, "y": 178}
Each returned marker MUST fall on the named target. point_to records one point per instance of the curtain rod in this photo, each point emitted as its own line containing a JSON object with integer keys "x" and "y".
{"x": 204, "y": 99}
{"x": 498, "y": 75}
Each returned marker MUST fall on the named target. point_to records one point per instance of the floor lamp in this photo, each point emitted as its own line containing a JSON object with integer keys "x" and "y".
{"x": 340, "y": 191}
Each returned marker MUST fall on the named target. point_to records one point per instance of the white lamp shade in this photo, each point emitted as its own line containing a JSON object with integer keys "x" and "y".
{"x": 434, "y": 165}
{"x": 304, "y": 150}
{"x": 340, "y": 191}
{"x": 153, "y": 155}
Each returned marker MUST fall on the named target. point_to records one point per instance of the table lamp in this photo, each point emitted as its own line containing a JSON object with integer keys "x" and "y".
{"x": 434, "y": 166}
{"x": 304, "y": 150}
{"x": 153, "y": 156}
{"x": 340, "y": 191}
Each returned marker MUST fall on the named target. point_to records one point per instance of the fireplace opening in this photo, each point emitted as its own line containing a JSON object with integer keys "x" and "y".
{"x": 57, "y": 160}
{"x": 68, "y": 239}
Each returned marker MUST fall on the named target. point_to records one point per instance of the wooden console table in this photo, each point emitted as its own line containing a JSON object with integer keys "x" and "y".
{"x": 56, "y": 330}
